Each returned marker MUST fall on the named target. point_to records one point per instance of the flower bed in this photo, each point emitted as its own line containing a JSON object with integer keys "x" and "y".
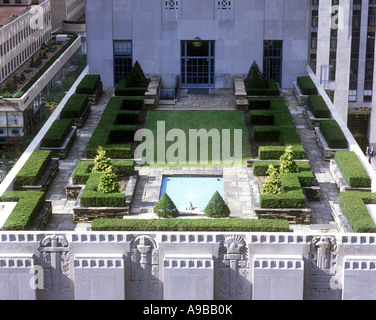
{"x": 353, "y": 206}
{"x": 115, "y": 138}
{"x": 29, "y": 206}
{"x": 192, "y": 225}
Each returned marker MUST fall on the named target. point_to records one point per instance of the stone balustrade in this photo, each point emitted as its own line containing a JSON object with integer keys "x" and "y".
{"x": 212, "y": 266}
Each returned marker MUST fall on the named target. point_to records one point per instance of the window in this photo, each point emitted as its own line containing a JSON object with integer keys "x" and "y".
{"x": 224, "y": 9}
{"x": 273, "y": 59}
{"x": 122, "y": 59}
{"x": 171, "y": 9}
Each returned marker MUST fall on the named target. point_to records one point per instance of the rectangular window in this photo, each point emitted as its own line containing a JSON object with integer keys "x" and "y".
{"x": 122, "y": 59}
{"x": 273, "y": 59}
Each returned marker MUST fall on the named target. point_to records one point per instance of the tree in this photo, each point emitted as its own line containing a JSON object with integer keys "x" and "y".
{"x": 255, "y": 78}
{"x": 165, "y": 207}
{"x": 217, "y": 207}
{"x": 288, "y": 164}
{"x": 136, "y": 78}
{"x": 272, "y": 184}
{"x": 108, "y": 182}
{"x": 101, "y": 162}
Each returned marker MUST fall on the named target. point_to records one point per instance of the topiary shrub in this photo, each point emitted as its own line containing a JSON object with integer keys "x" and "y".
{"x": 101, "y": 162}
{"x": 165, "y": 208}
{"x": 272, "y": 184}
{"x": 255, "y": 78}
{"x": 108, "y": 182}
{"x": 217, "y": 207}
{"x": 288, "y": 164}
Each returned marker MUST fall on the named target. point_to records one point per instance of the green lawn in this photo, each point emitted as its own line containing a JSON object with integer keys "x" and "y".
{"x": 194, "y": 138}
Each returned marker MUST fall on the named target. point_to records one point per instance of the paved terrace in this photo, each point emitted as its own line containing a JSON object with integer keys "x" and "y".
{"x": 237, "y": 188}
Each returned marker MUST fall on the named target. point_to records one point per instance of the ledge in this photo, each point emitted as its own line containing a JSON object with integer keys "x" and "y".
{"x": 299, "y": 95}
{"x": 311, "y": 120}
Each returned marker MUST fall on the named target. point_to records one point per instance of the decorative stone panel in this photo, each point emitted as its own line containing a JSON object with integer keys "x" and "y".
{"x": 188, "y": 277}
{"x": 278, "y": 277}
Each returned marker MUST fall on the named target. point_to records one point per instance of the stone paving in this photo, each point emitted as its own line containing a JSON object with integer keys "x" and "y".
{"x": 237, "y": 187}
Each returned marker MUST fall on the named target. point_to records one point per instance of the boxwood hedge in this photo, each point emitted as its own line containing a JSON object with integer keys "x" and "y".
{"x": 29, "y": 204}
{"x": 92, "y": 198}
{"x": 305, "y": 174}
{"x": 318, "y": 107}
{"x": 83, "y": 170}
{"x": 291, "y": 197}
{"x": 55, "y": 136}
{"x": 191, "y": 225}
{"x": 352, "y": 169}
{"x": 75, "y": 106}
{"x": 270, "y": 90}
{"x": 283, "y": 131}
{"x": 113, "y": 137}
{"x": 306, "y": 85}
{"x": 333, "y": 134}
{"x": 33, "y": 169}
{"x": 353, "y": 205}
{"x": 89, "y": 84}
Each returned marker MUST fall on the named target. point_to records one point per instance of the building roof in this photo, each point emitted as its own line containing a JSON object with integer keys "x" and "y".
{"x": 7, "y": 11}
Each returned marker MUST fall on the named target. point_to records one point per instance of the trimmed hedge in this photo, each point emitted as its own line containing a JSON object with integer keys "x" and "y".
{"x": 92, "y": 198}
{"x": 132, "y": 103}
{"x": 29, "y": 204}
{"x": 191, "y": 225}
{"x": 353, "y": 205}
{"x": 318, "y": 107}
{"x": 89, "y": 84}
{"x": 55, "y": 136}
{"x": 283, "y": 131}
{"x": 75, "y": 106}
{"x": 305, "y": 174}
{"x": 113, "y": 137}
{"x": 82, "y": 172}
{"x": 291, "y": 197}
{"x": 352, "y": 169}
{"x": 217, "y": 207}
{"x": 333, "y": 134}
{"x": 135, "y": 84}
{"x": 165, "y": 207}
{"x": 261, "y": 118}
{"x": 33, "y": 169}
{"x": 271, "y": 89}
{"x": 306, "y": 85}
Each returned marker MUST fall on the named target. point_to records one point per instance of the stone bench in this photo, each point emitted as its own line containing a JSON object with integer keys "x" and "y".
{"x": 240, "y": 93}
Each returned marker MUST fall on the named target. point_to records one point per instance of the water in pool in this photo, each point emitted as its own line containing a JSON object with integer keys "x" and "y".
{"x": 195, "y": 190}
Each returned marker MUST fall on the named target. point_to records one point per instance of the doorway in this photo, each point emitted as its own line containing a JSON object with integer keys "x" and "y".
{"x": 197, "y": 64}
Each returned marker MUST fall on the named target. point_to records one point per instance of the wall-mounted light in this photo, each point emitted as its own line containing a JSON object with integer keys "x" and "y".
{"x": 197, "y": 43}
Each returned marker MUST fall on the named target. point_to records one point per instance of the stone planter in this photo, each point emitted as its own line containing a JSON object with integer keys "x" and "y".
{"x": 294, "y": 216}
{"x": 340, "y": 181}
{"x": 79, "y": 122}
{"x": 311, "y": 120}
{"x": 327, "y": 152}
{"x": 46, "y": 179}
{"x": 93, "y": 98}
{"x": 43, "y": 217}
{"x": 302, "y": 99}
{"x": 85, "y": 214}
{"x": 62, "y": 151}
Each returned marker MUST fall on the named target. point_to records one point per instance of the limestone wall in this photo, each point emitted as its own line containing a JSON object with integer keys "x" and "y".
{"x": 225, "y": 266}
